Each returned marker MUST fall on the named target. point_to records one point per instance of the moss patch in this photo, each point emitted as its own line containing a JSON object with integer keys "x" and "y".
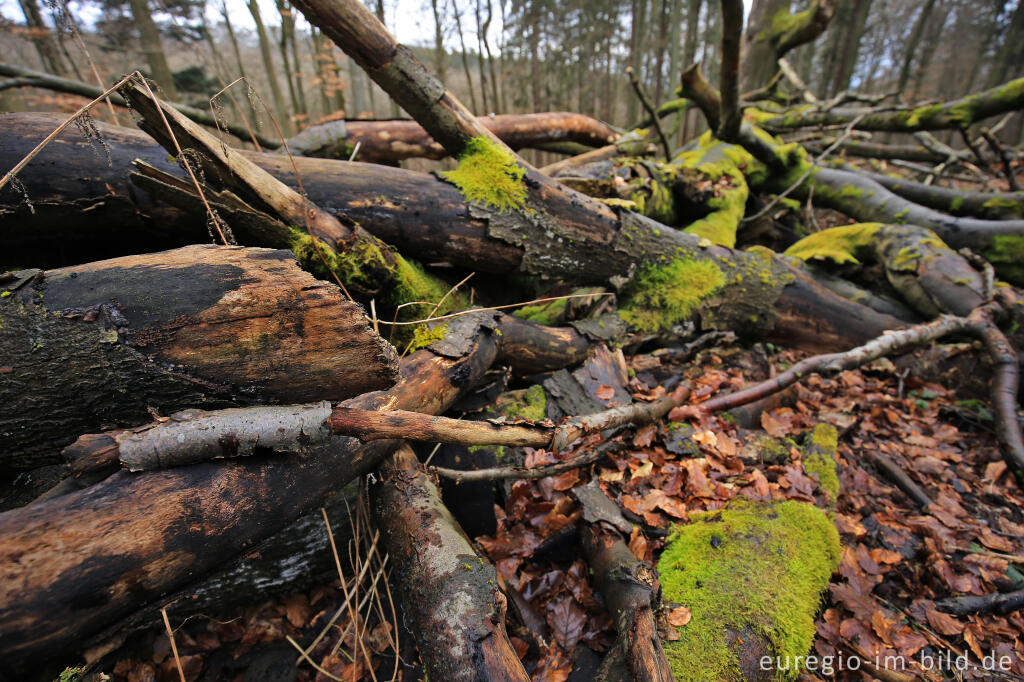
{"x": 839, "y": 244}
{"x": 660, "y": 296}
{"x": 757, "y": 567}
{"x": 1006, "y": 254}
{"x": 392, "y": 278}
{"x": 489, "y": 174}
{"x": 424, "y": 335}
{"x": 820, "y": 458}
{"x": 530, "y": 403}
{"x": 549, "y": 314}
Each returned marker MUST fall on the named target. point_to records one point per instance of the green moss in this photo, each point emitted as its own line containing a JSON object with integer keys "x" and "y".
{"x": 956, "y": 204}
{"x": 728, "y": 167}
{"x": 906, "y": 256}
{"x": 820, "y": 458}
{"x": 549, "y": 314}
{"x": 424, "y": 335}
{"x": 660, "y": 296}
{"x": 70, "y": 675}
{"x": 839, "y": 244}
{"x": 1006, "y": 254}
{"x": 750, "y": 567}
{"x": 530, "y": 403}
{"x": 364, "y": 267}
{"x": 489, "y": 174}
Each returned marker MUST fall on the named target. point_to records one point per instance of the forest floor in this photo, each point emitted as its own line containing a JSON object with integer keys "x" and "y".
{"x": 880, "y": 609}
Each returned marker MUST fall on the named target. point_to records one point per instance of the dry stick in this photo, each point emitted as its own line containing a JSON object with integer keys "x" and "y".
{"x": 522, "y": 473}
{"x": 638, "y": 88}
{"x": 793, "y": 77}
{"x": 1004, "y": 156}
{"x": 174, "y": 646}
{"x": 729, "y": 75}
{"x": 900, "y": 478}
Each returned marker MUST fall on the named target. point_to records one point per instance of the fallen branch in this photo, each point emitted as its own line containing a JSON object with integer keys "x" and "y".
{"x": 29, "y": 78}
{"x": 395, "y": 140}
{"x": 958, "y": 114}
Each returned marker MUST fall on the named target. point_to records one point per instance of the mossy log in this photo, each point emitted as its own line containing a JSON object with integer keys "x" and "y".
{"x": 422, "y": 215}
{"x": 752, "y": 575}
{"x": 450, "y": 592}
{"x": 960, "y": 113}
{"x": 100, "y": 344}
{"x": 73, "y": 567}
{"x": 929, "y": 276}
{"x": 958, "y": 202}
{"x": 399, "y": 139}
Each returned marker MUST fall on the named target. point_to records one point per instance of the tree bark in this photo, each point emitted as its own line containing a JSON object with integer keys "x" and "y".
{"x": 99, "y": 344}
{"x": 152, "y": 48}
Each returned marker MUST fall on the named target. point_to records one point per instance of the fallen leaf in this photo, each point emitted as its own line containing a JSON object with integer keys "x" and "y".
{"x": 943, "y": 622}
{"x": 604, "y": 392}
{"x": 567, "y": 621}
{"x": 772, "y": 426}
{"x": 680, "y": 616}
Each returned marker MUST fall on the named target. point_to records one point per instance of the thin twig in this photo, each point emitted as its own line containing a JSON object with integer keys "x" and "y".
{"x": 638, "y": 88}
{"x": 174, "y": 646}
{"x": 485, "y": 310}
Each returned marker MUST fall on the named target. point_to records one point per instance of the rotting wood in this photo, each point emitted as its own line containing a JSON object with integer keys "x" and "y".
{"x": 201, "y": 326}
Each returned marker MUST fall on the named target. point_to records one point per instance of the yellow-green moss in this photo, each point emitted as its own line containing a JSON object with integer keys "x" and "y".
{"x": 548, "y": 314}
{"x": 820, "y": 458}
{"x": 660, "y": 296}
{"x": 364, "y": 267}
{"x": 530, "y": 403}
{"x": 728, "y": 167}
{"x": 752, "y": 565}
{"x": 423, "y": 336}
{"x": 489, "y": 174}
{"x": 839, "y": 244}
{"x": 1006, "y": 254}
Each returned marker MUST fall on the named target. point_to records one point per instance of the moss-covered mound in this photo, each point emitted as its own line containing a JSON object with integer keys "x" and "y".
{"x": 752, "y": 575}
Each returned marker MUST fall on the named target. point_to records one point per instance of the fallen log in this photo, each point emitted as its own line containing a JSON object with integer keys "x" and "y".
{"x": 74, "y": 567}
{"x": 632, "y": 594}
{"x": 400, "y": 139}
{"x": 99, "y": 345}
{"x": 450, "y": 593}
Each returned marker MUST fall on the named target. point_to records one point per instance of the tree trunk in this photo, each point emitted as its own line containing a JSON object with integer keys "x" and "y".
{"x": 153, "y": 49}
{"x": 759, "y": 295}
{"x": 42, "y": 38}
{"x": 910, "y": 50}
{"x": 283, "y": 117}
{"x": 198, "y": 326}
